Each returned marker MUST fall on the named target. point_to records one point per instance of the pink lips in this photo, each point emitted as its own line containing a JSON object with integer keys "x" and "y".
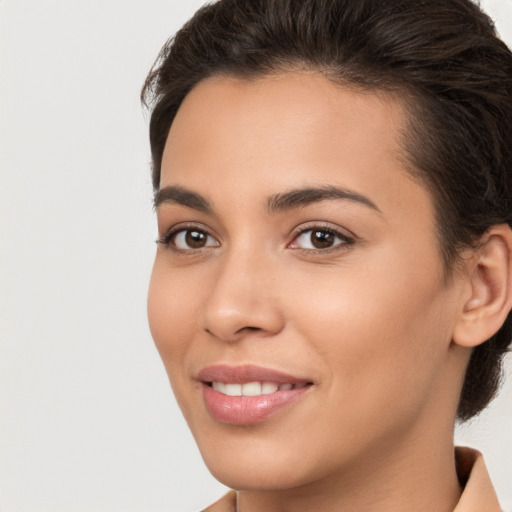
{"x": 247, "y": 410}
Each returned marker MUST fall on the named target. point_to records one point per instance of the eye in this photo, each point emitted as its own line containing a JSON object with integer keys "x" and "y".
{"x": 187, "y": 239}
{"x": 319, "y": 238}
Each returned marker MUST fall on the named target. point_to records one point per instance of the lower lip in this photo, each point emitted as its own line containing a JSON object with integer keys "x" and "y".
{"x": 248, "y": 410}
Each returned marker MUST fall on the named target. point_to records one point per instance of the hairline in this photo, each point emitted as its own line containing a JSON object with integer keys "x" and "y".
{"x": 405, "y": 95}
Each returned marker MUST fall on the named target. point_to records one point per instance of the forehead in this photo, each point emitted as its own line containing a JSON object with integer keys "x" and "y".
{"x": 295, "y": 104}
{"x": 287, "y": 130}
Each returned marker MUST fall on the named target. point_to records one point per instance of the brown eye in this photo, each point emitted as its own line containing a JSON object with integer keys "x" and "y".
{"x": 318, "y": 239}
{"x": 195, "y": 239}
{"x": 188, "y": 239}
{"x": 322, "y": 239}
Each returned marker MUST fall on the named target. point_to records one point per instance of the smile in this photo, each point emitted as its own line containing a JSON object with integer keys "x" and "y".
{"x": 247, "y": 395}
{"x": 253, "y": 388}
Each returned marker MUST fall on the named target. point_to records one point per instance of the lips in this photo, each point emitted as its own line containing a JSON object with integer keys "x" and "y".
{"x": 245, "y": 395}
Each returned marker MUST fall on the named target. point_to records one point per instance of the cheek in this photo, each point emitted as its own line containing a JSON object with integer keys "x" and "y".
{"x": 171, "y": 313}
{"x": 383, "y": 334}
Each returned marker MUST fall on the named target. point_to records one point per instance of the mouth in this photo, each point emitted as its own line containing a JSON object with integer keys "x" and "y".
{"x": 246, "y": 395}
{"x": 253, "y": 388}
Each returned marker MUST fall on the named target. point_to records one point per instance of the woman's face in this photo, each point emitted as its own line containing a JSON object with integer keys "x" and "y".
{"x": 298, "y": 266}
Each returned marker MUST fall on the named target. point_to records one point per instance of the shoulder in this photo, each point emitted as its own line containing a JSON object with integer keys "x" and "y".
{"x": 478, "y": 494}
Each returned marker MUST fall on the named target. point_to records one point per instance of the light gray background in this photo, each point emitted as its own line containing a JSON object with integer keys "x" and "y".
{"x": 87, "y": 419}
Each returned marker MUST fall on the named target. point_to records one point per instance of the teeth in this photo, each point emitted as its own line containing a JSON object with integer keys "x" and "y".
{"x": 220, "y": 387}
{"x": 253, "y": 388}
{"x": 269, "y": 387}
{"x": 234, "y": 389}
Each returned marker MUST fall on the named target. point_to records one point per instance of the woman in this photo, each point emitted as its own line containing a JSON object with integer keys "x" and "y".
{"x": 333, "y": 279}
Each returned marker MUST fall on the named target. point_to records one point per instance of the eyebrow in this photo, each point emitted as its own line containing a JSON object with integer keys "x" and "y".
{"x": 302, "y": 197}
{"x": 183, "y": 197}
{"x": 284, "y": 201}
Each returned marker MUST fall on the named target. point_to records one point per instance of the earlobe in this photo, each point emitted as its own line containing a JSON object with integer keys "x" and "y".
{"x": 489, "y": 300}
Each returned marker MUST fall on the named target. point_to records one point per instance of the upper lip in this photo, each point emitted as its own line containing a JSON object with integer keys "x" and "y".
{"x": 247, "y": 373}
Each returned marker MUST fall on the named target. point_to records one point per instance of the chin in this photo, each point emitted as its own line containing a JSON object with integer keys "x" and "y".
{"x": 250, "y": 460}
{"x": 247, "y": 475}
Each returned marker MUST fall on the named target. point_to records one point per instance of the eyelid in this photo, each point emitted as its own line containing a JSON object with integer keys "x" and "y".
{"x": 347, "y": 239}
{"x": 174, "y": 230}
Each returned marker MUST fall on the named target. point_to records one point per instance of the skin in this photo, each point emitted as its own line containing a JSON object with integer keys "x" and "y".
{"x": 370, "y": 321}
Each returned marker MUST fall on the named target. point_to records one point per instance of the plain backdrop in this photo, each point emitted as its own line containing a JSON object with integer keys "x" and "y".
{"x": 87, "y": 419}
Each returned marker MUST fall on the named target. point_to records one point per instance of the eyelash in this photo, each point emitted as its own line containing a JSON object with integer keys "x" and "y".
{"x": 167, "y": 238}
{"x": 346, "y": 241}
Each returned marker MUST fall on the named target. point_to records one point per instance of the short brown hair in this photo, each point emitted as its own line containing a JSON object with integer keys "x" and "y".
{"x": 442, "y": 56}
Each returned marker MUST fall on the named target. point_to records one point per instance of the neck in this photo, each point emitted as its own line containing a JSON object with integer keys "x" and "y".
{"x": 418, "y": 475}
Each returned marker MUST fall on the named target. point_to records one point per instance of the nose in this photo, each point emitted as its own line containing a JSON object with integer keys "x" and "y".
{"x": 243, "y": 300}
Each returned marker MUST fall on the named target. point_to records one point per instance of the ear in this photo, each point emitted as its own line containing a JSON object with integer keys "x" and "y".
{"x": 488, "y": 297}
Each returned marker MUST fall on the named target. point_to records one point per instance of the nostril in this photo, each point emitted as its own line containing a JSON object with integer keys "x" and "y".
{"x": 247, "y": 329}
{"x": 234, "y": 323}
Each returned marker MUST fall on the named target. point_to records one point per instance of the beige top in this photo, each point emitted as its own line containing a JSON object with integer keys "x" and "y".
{"x": 478, "y": 494}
